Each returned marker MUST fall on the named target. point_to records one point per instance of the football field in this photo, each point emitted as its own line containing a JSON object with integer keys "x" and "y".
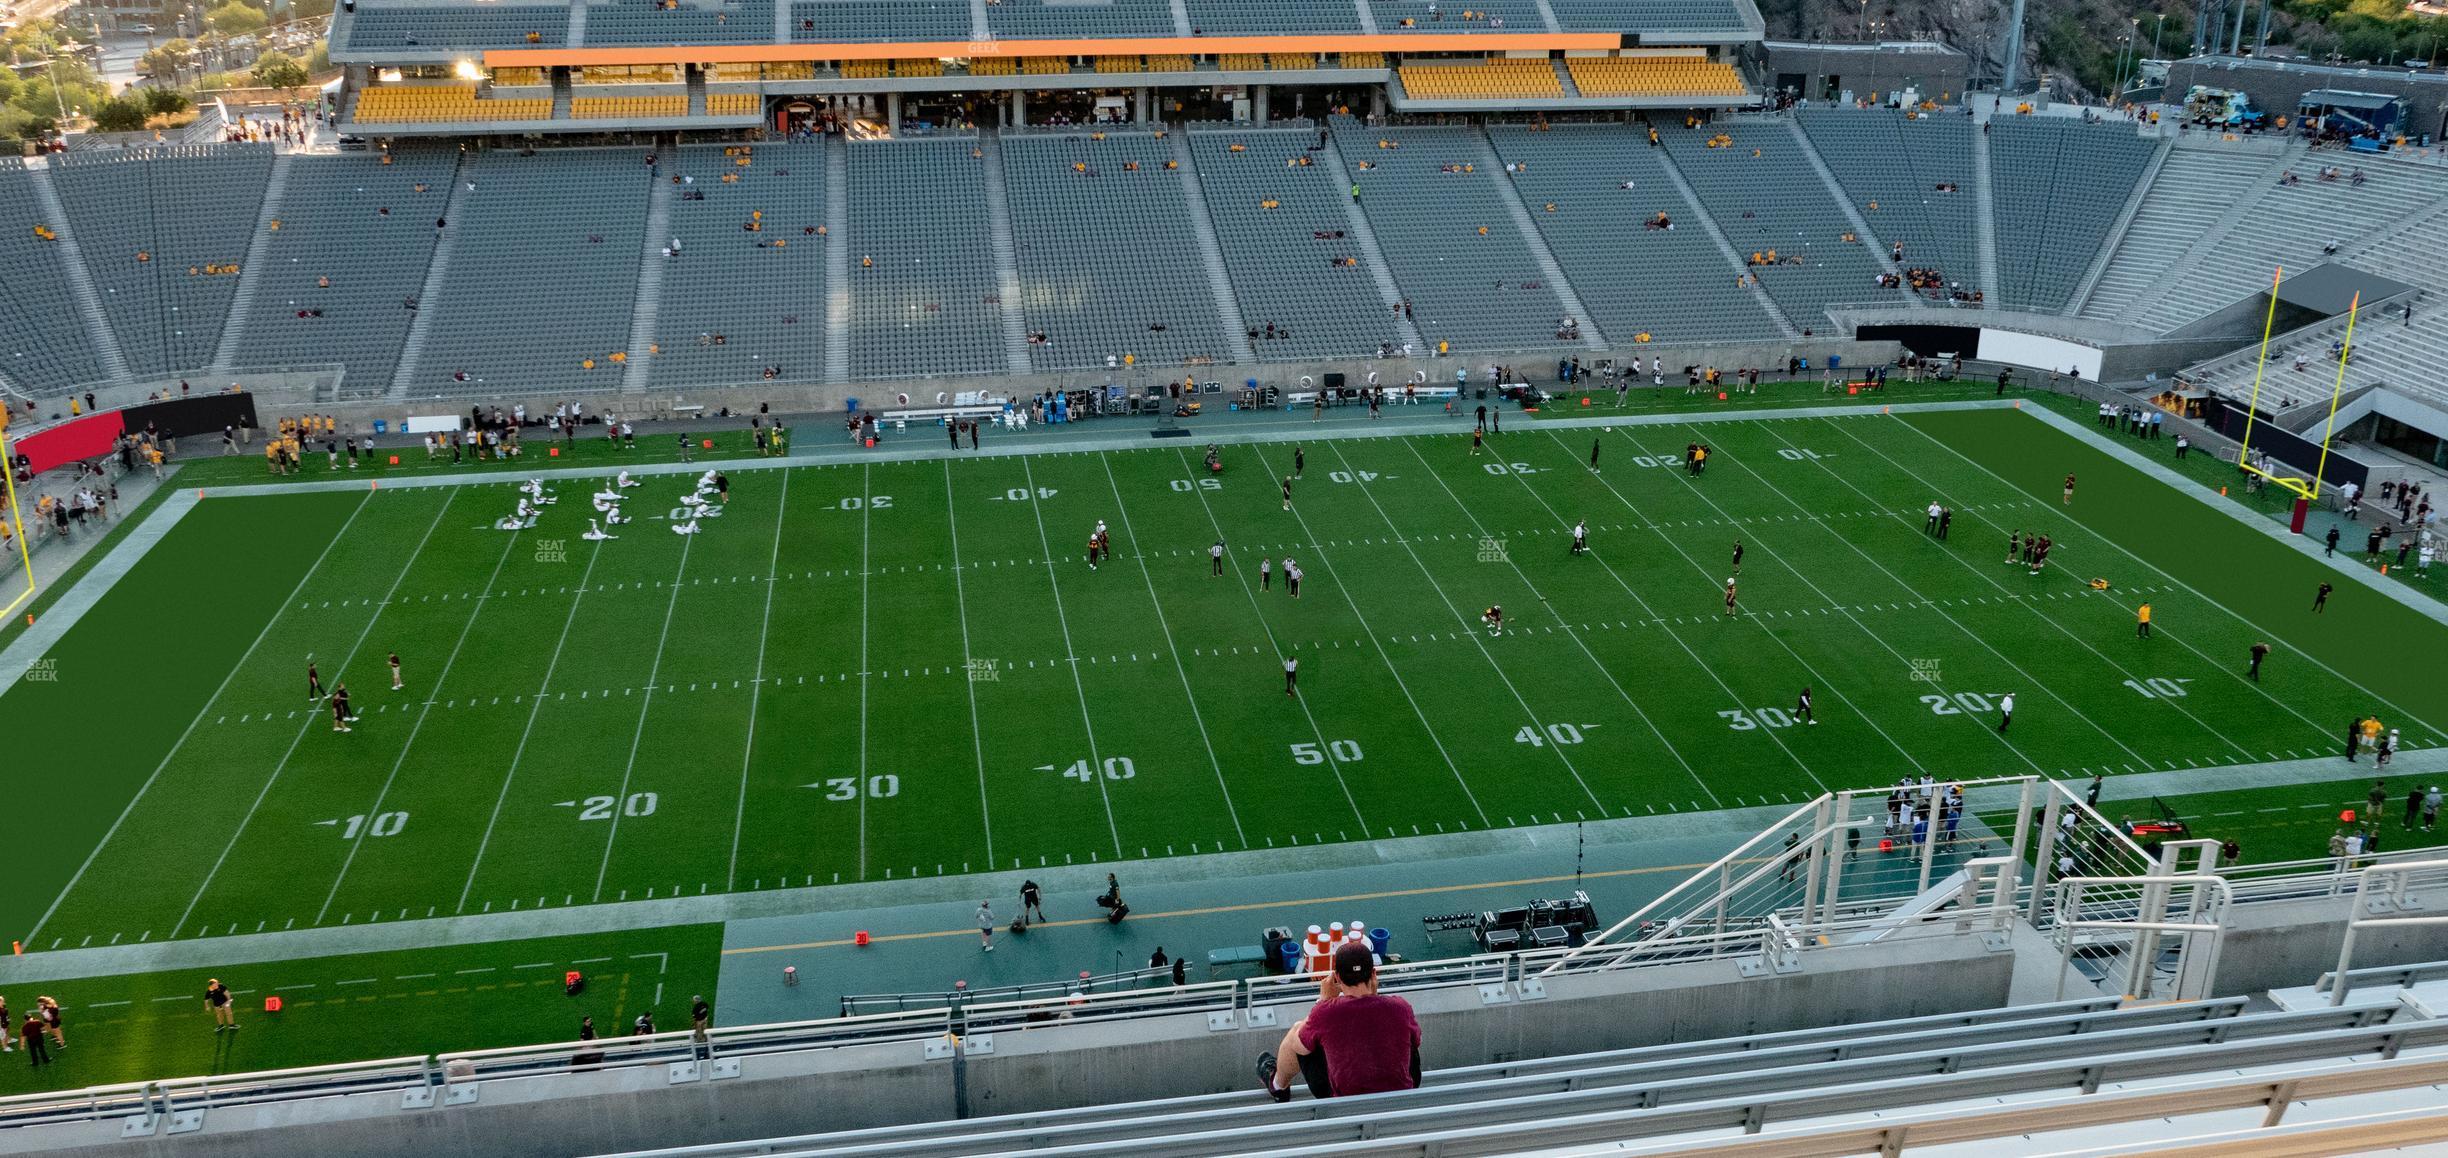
{"x": 908, "y": 668}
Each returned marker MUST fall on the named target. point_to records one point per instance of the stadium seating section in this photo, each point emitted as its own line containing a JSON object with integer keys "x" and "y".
{"x": 1107, "y": 254}
{"x": 350, "y": 243}
{"x": 1672, "y": 284}
{"x": 407, "y": 25}
{"x": 1431, "y": 197}
{"x": 449, "y": 103}
{"x": 734, "y": 104}
{"x": 821, "y": 21}
{"x": 1654, "y": 76}
{"x": 736, "y": 302}
{"x": 1496, "y": 80}
{"x": 1106, "y": 242}
{"x": 164, "y": 232}
{"x": 921, "y": 260}
{"x": 1772, "y": 206}
{"x": 2063, "y": 183}
{"x": 1073, "y": 20}
{"x": 1910, "y": 178}
{"x": 541, "y": 275}
{"x": 680, "y": 22}
{"x": 1281, "y": 210}
{"x": 43, "y": 341}
{"x": 1471, "y": 16}
{"x": 629, "y": 108}
{"x": 2176, "y": 211}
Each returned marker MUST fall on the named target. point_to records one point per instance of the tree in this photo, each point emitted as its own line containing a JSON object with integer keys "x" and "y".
{"x": 165, "y": 101}
{"x": 237, "y": 18}
{"x": 120, "y": 115}
{"x": 279, "y": 70}
{"x": 166, "y": 61}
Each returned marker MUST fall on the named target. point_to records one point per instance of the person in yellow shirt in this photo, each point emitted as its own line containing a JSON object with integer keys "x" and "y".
{"x": 272, "y": 460}
{"x": 2142, "y": 621}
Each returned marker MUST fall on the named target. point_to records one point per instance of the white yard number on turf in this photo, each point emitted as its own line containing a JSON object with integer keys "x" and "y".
{"x": 1959, "y": 703}
{"x": 1345, "y": 751}
{"x": 1344, "y": 476}
{"x": 1021, "y": 494}
{"x": 601, "y": 807}
{"x": 1645, "y": 460}
{"x": 876, "y": 502}
{"x": 1796, "y": 454}
{"x": 1743, "y": 721}
{"x": 1560, "y": 733}
{"x": 2158, "y": 687}
{"x": 1510, "y": 468}
{"x": 385, "y": 824}
{"x": 1185, "y": 485}
{"x": 847, "y": 787}
{"x": 1116, "y": 768}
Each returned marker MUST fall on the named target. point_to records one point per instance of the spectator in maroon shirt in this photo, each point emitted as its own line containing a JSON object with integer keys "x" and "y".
{"x": 1364, "y": 1042}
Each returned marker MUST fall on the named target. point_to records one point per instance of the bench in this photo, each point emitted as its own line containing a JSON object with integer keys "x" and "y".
{"x": 1393, "y": 394}
{"x": 1219, "y": 960}
{"x": 940, "y": 414}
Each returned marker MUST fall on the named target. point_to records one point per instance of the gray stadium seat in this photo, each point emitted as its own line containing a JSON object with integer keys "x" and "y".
{"x": 153, "y": 223}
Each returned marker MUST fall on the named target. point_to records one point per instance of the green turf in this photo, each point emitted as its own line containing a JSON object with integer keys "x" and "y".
{"x": 934, "y": 682}
{"x": 51, "y": 592}
{"x": 367, "y": 1005}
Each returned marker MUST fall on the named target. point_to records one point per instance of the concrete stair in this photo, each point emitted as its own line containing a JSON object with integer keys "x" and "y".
{"x": 1984, "y": 221}
{"x": 412, "y": 350}
{"x": 639, "y": 369}
{"x": 1699, "y": 215}
{"x": 1356, "y": 223}
{"x": 242, "y": 303}
{"x": 2116, "y": 231}
{"x": 837, "y": 259}
{"x": 1211, "y": 253}
{"x": 1006, "y": 255}
{"x": 80, "y": 278}
{"x": 1549, "y": 268}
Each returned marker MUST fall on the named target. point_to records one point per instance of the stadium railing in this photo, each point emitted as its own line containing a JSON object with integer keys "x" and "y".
{"x": 1734, "y": 912}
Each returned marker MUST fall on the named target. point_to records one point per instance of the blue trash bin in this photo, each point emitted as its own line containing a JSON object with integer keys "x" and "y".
{"x": 1291, "y": 953}
{"x": 1379, "y": 938}
{"x": 381, "y": 427}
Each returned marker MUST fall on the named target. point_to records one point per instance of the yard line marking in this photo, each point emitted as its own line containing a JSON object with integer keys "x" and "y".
{"x": 1476, "y": 640}
{"x": 1711, "y": 577}
{"x": 1671, "y": 747}
{"x": 866, "y": 618}
{"x": 260, "y": 796}
{"x": 1062, "y": 618}
{"x": 739, "y": 815}
{"x": 1382, "y": 657}
{"x": 653, "y": 671}
{"x": 520, "y": 751}
{"x": 181, "y": 742}
{"x": 1122, "y": 512}
{"x": 2043, "y": 687}
{"x": 409, "y": 744}
{"x": 2179, "y": 639}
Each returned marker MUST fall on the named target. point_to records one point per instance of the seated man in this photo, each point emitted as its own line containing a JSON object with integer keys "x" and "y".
{"x": 1364, "y": 1042}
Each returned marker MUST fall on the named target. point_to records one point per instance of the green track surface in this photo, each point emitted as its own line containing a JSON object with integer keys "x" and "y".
{"x": 2294, "y": 822}
{"x": 368, "y": 1005}
{"x": 650, "y": 716}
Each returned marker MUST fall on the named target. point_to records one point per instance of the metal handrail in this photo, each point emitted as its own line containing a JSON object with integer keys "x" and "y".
{"x": 2392, "y": 899}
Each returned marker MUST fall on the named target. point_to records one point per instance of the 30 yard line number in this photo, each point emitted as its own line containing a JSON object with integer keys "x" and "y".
{"x": 870, "y": 502}
{"x": 847, "y": 788}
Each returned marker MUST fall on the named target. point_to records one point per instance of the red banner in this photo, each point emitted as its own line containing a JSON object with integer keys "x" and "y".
{"x": 89, "y": 437}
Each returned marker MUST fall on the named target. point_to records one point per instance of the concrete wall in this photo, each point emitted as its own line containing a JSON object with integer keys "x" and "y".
{"x": 2276, "y": 85}
{"x": 1056, "y": 1067}
{"x": 1940, "y": 74}
{"x": 2288, "y": 943}
{"x": 280, "y": 397}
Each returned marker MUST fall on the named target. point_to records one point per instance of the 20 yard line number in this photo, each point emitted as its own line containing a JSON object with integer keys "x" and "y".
{"x": 1961, "y": 703}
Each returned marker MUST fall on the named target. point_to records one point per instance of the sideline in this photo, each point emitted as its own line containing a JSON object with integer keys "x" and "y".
{"x": 88, "y": 589}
